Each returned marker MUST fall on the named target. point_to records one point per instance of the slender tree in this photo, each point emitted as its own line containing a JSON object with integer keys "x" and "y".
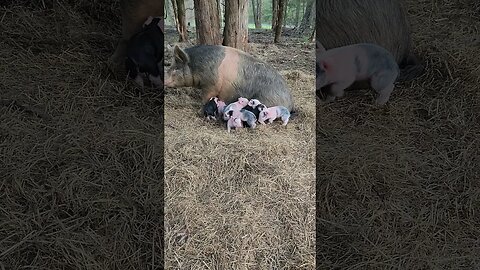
{"x": 274, "y": 14}
{"x": 180, "y": 22}
{"x": 307, "y": 17}
{"x": 297, "y": 12}
{"x": 236, "y": 24}
{"x": 257, "y": 13}
{"x": 279, "y": 23}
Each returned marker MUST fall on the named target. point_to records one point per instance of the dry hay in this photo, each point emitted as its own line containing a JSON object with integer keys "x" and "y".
{"x": 80, "y": 177}
{"x": 398, "y": 187}
{"x": 243, "y": 200}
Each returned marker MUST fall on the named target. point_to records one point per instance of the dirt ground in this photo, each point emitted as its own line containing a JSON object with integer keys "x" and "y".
{"x": 398, "y": 188}
{"x": 243, "y": 200}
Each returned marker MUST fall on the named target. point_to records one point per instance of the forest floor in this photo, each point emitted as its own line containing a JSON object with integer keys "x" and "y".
{"x": 243, "y": 200}
{"x": 398, "y": 188}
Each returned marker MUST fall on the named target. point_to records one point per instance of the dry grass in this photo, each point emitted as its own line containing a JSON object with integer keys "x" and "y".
{"x": 81, "y": 178}
{"x": 398, "y": 188}
{"x": 243, "y": 200}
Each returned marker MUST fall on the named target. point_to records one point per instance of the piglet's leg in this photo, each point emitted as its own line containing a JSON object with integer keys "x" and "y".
{"x": 383, "y": 84}
{"x": 337, "y": 90}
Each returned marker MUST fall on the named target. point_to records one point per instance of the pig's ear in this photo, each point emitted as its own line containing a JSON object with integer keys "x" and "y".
{"x": 160, "y": 24}
{"x": 319, "y": 47}
{"x": 180, "y": 55}
{"x": 148, "y": 21}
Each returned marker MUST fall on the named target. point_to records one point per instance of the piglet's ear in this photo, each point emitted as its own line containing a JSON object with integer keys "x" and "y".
{"x": 324, "y": 65}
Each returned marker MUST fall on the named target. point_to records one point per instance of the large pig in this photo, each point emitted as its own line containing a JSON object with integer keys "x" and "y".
{"x": 383, "y": 22}
{"x": 227, "y": 73}
{"x": 134, "y": 14}
{"x": 341, "y": 67}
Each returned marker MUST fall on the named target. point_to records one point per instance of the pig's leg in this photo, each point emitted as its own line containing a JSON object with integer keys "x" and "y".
{"x": 383, "y": 85}
{"x": 252, "y": 124}
{"x": 156, "y": 80}
{"x": 139, "y": 80}
{"x": 285, "y": 120}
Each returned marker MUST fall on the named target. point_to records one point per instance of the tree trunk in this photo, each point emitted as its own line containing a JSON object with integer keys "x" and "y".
{"x": 285, "y": 14}
{"x": 175, "y": 15}
{"x": 236, "y": 24}
{"x": 278, "y": 28}
{"x": 257, "y": 13}
{"x": 307, "y": 15}
{"x": 207, "y": 23}
{"x": 297, "y": 12}
{"x": 181, "y": 22}
{"x": 219, "y": 8}
{"x": 274, "y": 14}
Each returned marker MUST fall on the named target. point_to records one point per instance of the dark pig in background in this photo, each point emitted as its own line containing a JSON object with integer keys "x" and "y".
{"x": 134, "y": 14}
{"x": 341, "y": 67}
{"x": 382, "y": 22}
{"x": 145, "y": 53}
{"x": 229, "y": 74}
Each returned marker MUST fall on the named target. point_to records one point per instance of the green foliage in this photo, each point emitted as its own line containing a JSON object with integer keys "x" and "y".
{"x": 292, "y": 6}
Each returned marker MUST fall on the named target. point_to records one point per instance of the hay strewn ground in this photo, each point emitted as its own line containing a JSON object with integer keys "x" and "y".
{"x": 81, "y": 182}
{"x": 399, "y": 188}
{"x": 243, "y": 200}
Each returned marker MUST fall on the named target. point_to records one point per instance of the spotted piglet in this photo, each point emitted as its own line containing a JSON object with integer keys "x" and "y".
{"x": 234, "y": 123}
{"x": 210, "y": 109}
{"x": 255, "y": 106}
{"x": 246, "y": 116}
{"x": 234, "y": 106}
{"x": 273, "y": 113}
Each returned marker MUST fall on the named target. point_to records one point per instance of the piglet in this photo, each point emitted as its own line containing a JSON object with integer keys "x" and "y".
{"x": 246, "y": 116}
{"x": 341, "y": 67}
{"x": 234, "y": 106}
{"x": 234, "y": 123}
{"x": 220, "y": 106}
{"x": 273, "y": 113}
{"x": 210, "y": 109}
{"x": 255, "y": 106}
